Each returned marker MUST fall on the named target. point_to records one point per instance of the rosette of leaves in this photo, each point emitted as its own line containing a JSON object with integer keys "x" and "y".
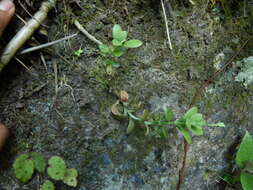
{"x": 58, "y": 170}
{"x": 193, "y": 122}
{"x": 25, "y": 165}
{"x": 118, "y": 47}
{"x": 244, "y": 161}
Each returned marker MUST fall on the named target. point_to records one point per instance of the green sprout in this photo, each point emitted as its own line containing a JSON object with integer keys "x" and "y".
{"x": 25, "y": 165}
{"x": 78, "y": 52}
{"x": 119, "y": 46}
{"x": 192, "y": 122}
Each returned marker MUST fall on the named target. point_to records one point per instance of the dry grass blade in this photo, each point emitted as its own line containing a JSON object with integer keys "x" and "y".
{"x": 166, "y": 25}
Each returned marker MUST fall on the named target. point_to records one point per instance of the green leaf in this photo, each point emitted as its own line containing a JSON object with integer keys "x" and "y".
{"x": 197, "y": 130}
{"x": 191, "y": 112}
{"x": 186, "y": 135}
{"x": 245, "y": 152}
{"x": 220, "y": 124}
{"x": 115, "y": 42}
{"x": 118, "y": 51}
{"x": 168, "y": 114}
{"x": 133, "y": 43}
{"x": 39, "y": 162}
{"x": 116, "y": 30}
{"x": 70, "y": 177}
{"x": 57, "y": 168}
{"x": 118, "y": 34}
{"x": 131, "y": 125}
{"x": 24, "y": 168}
{"x": 104, "y": 48}
{"x": 195, "y": 120}
{"x": 56, "y": 173}
{"x": 47, "y": 185}
{"x": 246, "y": 181}
{"x": 56, "y": 161}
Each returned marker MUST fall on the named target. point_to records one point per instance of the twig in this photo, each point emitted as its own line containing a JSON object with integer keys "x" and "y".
{"x": 166, "y": 24}
{"x": 81, "y": 28}
{"x": 55, "y": 77}
{"x": 25, "y": 33}
{"x": 28, "y": 50}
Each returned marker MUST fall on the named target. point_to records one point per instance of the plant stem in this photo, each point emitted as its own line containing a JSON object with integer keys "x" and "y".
{"x": 87, "y": 34}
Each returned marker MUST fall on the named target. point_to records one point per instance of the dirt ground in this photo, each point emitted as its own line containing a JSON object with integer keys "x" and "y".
{"x": 62, "y": 106}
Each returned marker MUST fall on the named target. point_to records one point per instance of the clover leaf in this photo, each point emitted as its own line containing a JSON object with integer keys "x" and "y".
{"x": 70, "y": 177}
{"x": 57, "y": 168}
{"x": 39, "y": 162}
{"x": 24, "y": 168}
{"x": 47, "y": 185}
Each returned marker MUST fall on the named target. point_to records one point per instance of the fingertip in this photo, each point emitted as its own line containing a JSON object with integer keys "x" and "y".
{"x": 6, "y": 5}
{"x": 4, "y": 134}
{"x": 7, "y": 10}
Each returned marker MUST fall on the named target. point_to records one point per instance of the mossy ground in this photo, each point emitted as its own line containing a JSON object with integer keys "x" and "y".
{"x": 76, "y": 123}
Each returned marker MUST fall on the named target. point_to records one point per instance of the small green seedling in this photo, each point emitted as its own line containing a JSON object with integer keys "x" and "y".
{"x": 118, "y": 47}
{"x": 48, "y": 185}
{"x": 78, "y": 52}
{"x": 159, "y": 123}
{"x": 57, "y": 170}
{"x": 193, "y": 122}
{"x": 25, "y": 165}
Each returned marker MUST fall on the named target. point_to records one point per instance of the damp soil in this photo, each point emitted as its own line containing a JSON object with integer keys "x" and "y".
{"x": 61, "y": 104}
